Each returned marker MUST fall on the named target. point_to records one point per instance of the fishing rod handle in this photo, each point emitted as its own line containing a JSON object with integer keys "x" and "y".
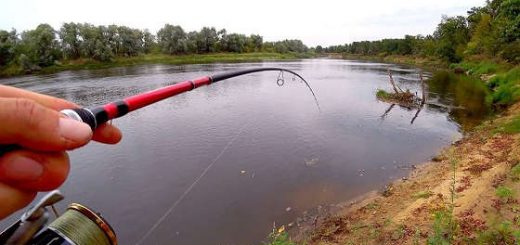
{"x": 83, "y": 115}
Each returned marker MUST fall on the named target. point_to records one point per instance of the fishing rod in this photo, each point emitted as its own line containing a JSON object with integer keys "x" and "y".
{"x": 101, "y": 114}
{"x": 79, "y": 225}
{"x": 96, "y": 116}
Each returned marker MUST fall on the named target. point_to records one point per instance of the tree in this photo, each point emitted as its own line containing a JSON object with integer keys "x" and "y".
{"x": 99, "y": 42}
{"x": 148, "y": 41}
{"x": 40, "y": 45}
{"x": 234, "y": 43}
{"x": 319, "y": 49}
{"x": 131, "y": 41}
{"x": 191, "y": 42}
{"x": 70, "y": 42}
{"x": 254, "y": 43}
{"x": 482, "y": 38}
{"x": 172, "y": 39}
{"x": 508, "y": 19}
{"x": 207, "y": 40}
{"x": 453, "y": 35}
{"x": 8, "y": 42}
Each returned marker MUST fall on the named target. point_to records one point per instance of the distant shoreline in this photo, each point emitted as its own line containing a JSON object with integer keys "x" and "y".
{"x": 90, "y": 64}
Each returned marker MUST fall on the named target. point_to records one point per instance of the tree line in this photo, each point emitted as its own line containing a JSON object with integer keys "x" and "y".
{"x": 45, "y": 46}
{"x": 492, "y": 30}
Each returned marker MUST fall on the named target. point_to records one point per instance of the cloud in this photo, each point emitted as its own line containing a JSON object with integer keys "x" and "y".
{"x": 324, "y": 22}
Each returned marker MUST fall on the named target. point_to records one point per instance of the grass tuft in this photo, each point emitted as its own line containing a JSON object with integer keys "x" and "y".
{"x": 506, "y": 87}
{"x": 277, "y": 238}
{"x": 422, "y": 194}
{"x": 504, "y": 192}
{"x": 511, "y": 127}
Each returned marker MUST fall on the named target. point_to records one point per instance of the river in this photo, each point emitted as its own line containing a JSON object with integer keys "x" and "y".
{"x": 273, "y": 154}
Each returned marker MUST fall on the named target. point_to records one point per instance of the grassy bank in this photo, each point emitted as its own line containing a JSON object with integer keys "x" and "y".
{"x": 502, "y": 79}
{"x": 82, "y": 64}
{"x": 423, "y": 62}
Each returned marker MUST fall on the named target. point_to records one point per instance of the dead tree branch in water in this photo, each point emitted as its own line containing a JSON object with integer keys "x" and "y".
{"x": 416, "y": 114}
{"x": 387, "y": 111}
{"x": 393, "y": 83}
{"x": 423, "y": 101}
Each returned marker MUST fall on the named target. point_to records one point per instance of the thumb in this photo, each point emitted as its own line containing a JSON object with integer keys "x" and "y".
{"x": 34, "y": 126}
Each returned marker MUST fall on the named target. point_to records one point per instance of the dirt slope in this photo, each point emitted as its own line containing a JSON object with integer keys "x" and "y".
{"x": 467, "y": 195}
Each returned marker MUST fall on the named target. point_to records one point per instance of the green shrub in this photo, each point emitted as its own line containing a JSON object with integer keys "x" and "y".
{"x": 504, "y": 192}
{"x": 422, "y": 194}
{"x": 515, "y": 171}
{"x": 501, "y": 233}
{"x": 282, "y": 238}
{"x": 443, "y": 228}
{"x": 511, "y": 127}
{"x": 507, "y": 87}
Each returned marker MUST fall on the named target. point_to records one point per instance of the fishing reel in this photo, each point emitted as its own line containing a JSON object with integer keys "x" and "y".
{"x": 78, "y": 225}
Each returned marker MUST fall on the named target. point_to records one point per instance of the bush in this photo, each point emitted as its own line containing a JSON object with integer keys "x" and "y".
{"x": 506, "y": 86}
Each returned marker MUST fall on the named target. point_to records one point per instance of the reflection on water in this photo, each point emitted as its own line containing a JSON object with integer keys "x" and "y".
{"x": 465, "y": 95}
{"x": 288, "y": 155}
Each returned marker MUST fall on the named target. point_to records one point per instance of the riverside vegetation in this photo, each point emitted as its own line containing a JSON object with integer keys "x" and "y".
{"x": 85, "y": 46}
{"x": 468, "y": 194}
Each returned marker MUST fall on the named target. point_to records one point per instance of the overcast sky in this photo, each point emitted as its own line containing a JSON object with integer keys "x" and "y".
{"x": 324, "y": 22}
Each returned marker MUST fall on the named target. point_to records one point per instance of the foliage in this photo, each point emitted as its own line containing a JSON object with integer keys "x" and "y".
{"x": 511, "y": 127}
{"x": 422, "y": 194}
{"x": 39, "y": 46}
{"x": 45, "y": 47}
{"x": 478, "y": 68}
{"x": 282, "y": 238}
{"x": 506, "y": 87}
{"x": 452, "y": 35}
{"x": 501, "y": 233}
{"x": 443, "y": 227}
{"x": 492, "y": 30}
{"x": 172, "y": 39}
{"x": 515, "y": 171}
{"x": 8, "y": 41}
{"x": 382, "y": 94}
{"x": 504, "y": 192}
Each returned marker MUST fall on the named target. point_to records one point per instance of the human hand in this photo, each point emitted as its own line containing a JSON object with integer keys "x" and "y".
{"x": 33, "y": 122}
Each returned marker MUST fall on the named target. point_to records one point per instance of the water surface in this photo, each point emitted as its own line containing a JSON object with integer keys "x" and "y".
{"x": 274, "y": 154}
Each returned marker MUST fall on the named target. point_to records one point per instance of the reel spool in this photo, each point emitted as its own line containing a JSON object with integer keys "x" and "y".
{"x": 78, "y": 225}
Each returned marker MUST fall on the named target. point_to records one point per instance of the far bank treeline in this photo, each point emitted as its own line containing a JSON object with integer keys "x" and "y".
{"x": 489, "y": 31}
{"x": 44, "y": 46}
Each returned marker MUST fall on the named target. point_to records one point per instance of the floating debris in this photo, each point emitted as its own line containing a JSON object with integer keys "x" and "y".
{"x": 361, "y": 172}
{"x": 403, "y": 98}
{"x": 312, "y": 162}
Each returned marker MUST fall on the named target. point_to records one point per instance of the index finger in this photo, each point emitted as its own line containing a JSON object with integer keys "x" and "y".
{"x": 105, "y": 134}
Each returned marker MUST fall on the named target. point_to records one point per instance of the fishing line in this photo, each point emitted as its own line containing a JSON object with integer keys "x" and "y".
{"x": 188, "y": 190}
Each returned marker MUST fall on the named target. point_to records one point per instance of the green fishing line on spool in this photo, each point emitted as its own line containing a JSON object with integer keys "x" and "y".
{"x": 84, "y": 227}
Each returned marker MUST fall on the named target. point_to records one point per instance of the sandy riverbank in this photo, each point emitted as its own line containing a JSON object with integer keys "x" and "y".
{"x": 467, "y": 194}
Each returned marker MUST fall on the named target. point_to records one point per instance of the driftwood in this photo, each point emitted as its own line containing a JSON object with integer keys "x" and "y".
{"x": 393, "y": 83}
{"x": 400, "y": 97}
{"x": 423, "y": 101}
{"x": 403, "y": 98}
